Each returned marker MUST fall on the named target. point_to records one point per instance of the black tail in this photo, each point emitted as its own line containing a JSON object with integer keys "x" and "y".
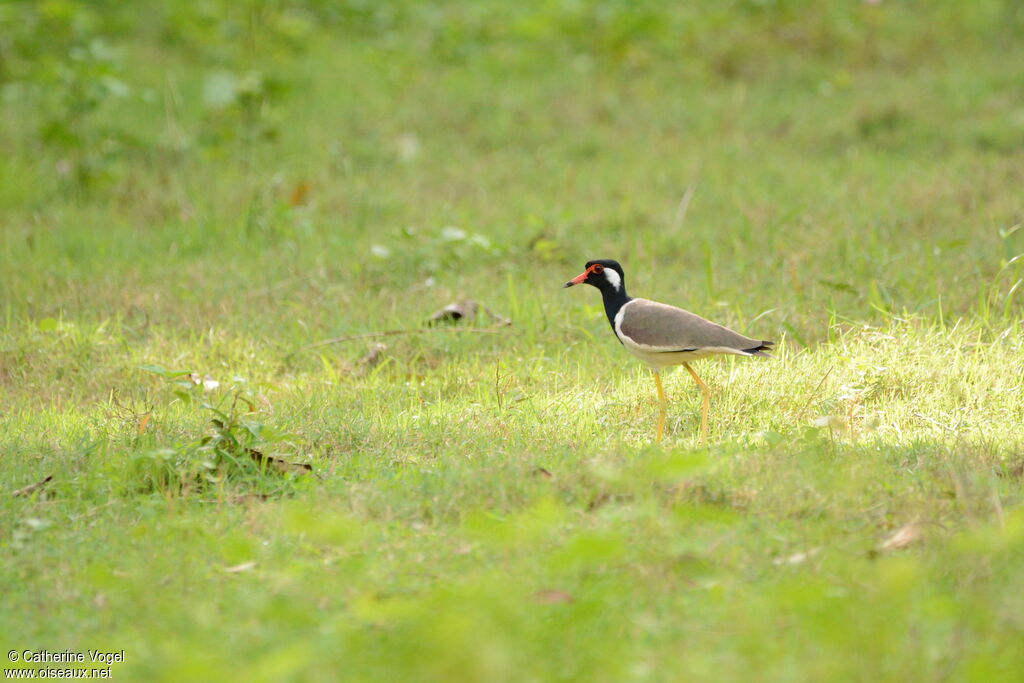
{"x": 761, "y": 349}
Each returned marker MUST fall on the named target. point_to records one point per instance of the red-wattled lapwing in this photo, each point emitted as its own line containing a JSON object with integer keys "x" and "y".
{"x": 661, "y": 335}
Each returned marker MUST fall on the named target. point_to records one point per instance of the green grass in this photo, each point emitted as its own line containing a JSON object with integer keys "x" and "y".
{"x": 258, "y": 177}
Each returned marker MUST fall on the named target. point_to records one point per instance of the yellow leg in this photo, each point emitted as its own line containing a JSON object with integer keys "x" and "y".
{"x": 664, "y": 402}
{"x": 707, "y": 402}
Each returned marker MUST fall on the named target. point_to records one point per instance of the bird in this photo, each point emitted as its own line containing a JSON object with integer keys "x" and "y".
{"x": 663, "y": 336}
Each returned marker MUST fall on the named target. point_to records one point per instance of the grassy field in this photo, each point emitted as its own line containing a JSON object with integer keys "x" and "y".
{"x": 215, "y": 188}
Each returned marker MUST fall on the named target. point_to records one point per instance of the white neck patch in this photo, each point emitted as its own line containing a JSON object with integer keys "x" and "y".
{"x": 613, "y": 278}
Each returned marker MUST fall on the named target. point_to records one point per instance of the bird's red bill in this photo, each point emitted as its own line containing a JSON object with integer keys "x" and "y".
{"x": 579, "y": 279}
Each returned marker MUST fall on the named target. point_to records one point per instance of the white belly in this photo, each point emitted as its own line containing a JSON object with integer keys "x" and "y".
{"x": 659, "y": 360}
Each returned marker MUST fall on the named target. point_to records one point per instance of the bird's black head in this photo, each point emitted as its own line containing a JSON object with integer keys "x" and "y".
{"x": 605, "y": 274}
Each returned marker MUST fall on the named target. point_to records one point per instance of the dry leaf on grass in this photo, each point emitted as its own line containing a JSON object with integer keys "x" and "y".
{"x": 796, "y": 558}
{"x": 244, "y": 567}
{"x": 467, "y": 309}
{"x": 374, "y": 355}
{"x": 552, "y": 596}
{"x": 300, "y": 194}
{"x": 906, "y": 535}
{"x": 541, "y": 472}
{"x": 278, "y": 465}
{"x": 32, "y": 488}
{"x": 455, "y": 312}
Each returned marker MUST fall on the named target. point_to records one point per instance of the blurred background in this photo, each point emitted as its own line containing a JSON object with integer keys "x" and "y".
{"x": 863, "y": 156}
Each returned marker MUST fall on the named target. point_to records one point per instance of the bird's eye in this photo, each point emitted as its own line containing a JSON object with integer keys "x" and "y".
{"x": 598, "y": 268}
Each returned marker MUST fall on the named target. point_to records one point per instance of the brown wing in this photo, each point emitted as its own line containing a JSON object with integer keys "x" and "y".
{"x": 661, "y": 327}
